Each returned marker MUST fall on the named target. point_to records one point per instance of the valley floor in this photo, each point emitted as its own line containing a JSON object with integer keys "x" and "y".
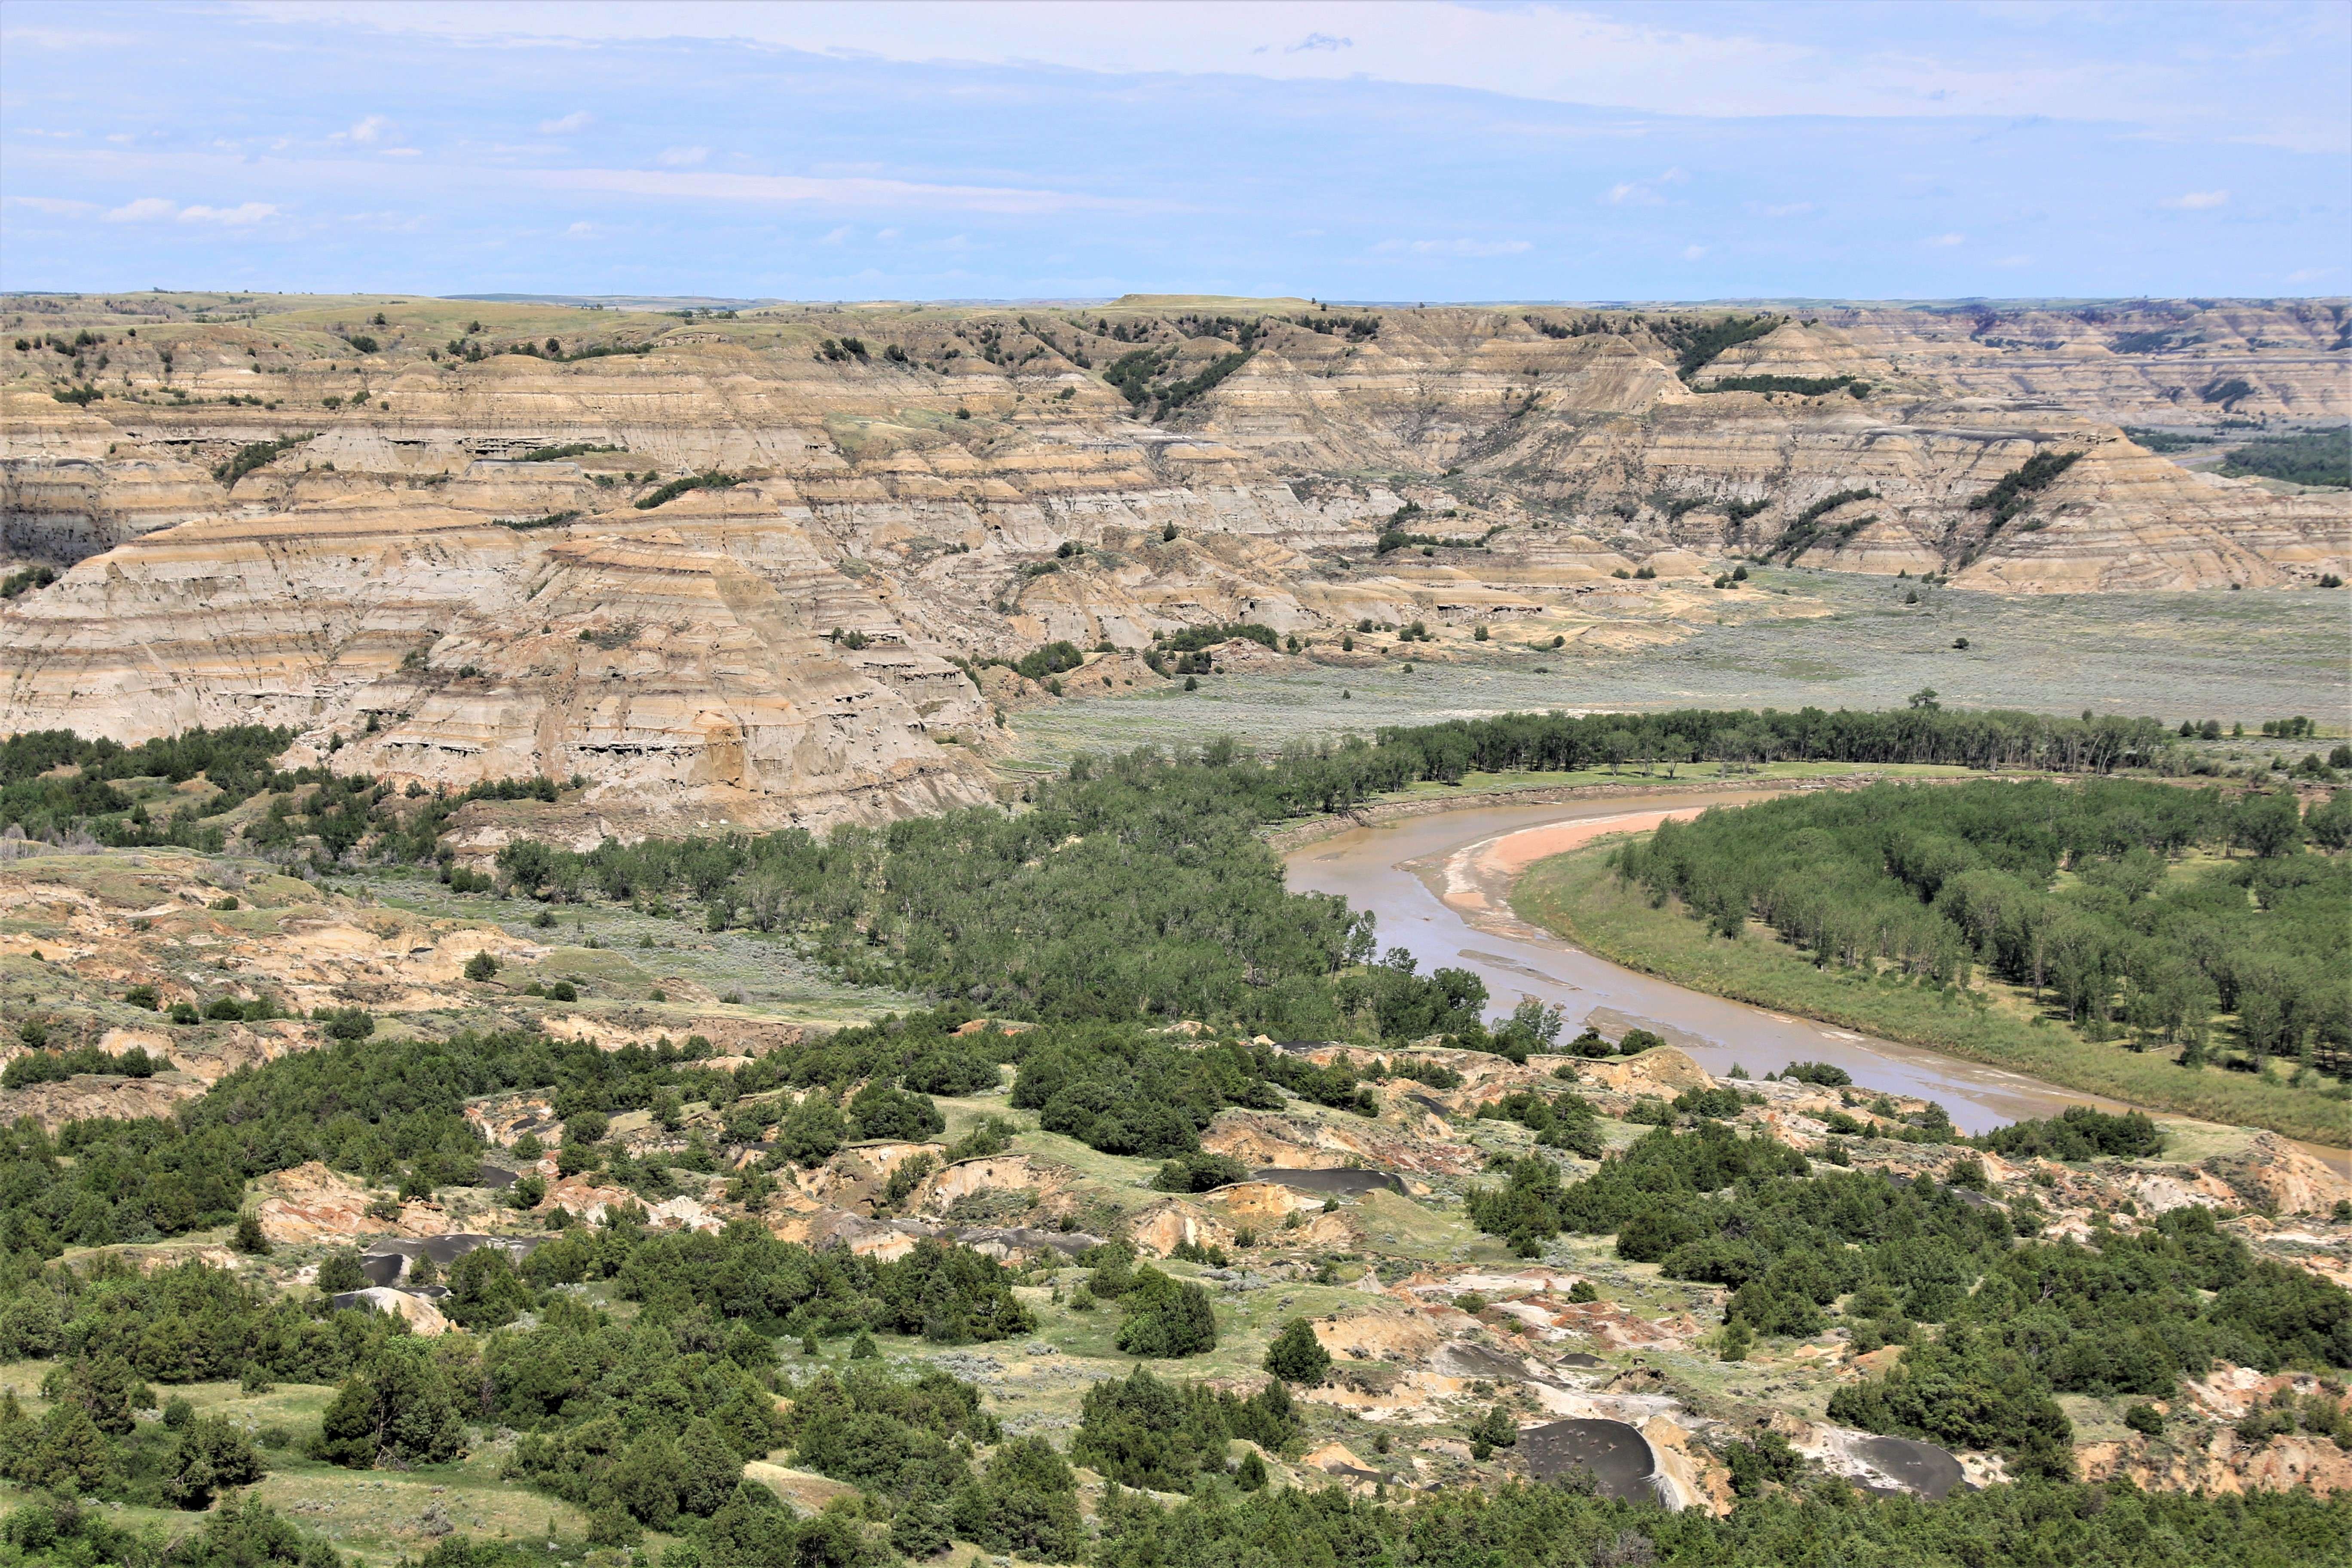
{"x": 1575, "y": 897}
{"x": 2242, "y": 657}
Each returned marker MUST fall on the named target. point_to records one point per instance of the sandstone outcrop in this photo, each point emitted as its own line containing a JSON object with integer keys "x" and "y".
{"x": 310, "y": 1202}
{"x": 467, "y": 565}
{"x": 1264, "y": 1139}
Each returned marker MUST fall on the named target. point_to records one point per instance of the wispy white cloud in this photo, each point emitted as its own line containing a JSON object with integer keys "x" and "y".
{"x": 1692, "y": 252}
{"x": 57, "y": 206}
{"x": 155, "y": 209}
{"x": 1464, "y": 247}
{"x": 242, "y": 213}
{"x": 851, "y": 193}
{"x": 1463, "y": 122}
{"x": 65, "y": 38}
{"x": 1945, "y": 241}
{"x": 580, "y": 230}
{"x": 2271, "y": 73}
{"x": 146, "y": 209}
{"x": 2198, "y": 201}
{"x": 1644, "y": 192}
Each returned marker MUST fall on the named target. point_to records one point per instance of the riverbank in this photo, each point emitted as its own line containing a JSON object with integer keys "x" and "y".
{"x": 1574, "y": 896}
{"x": 1423, "y": 800}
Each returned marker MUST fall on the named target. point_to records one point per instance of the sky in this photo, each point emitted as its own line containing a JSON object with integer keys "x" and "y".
{"x": 1011, "y": 149}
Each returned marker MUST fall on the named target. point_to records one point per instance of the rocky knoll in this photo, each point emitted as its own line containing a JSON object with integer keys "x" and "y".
{"x": 450, "y": 536}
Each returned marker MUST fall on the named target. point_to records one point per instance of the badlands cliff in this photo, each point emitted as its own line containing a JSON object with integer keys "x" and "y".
{"x": 464, "y": 556}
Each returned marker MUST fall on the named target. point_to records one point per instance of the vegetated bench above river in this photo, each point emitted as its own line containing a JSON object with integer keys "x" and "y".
{"x": 2101, "y": 899}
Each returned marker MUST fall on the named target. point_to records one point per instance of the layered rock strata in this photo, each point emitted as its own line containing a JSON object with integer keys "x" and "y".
{"x": 467, "y": 561}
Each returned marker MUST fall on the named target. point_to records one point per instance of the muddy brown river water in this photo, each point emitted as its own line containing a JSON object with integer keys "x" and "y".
{"x": 1439, "y": 886}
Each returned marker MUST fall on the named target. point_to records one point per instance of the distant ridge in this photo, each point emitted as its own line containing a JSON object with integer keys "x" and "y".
{"x": 621, "y": 301}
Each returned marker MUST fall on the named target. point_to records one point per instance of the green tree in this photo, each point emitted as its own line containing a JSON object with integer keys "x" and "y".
{"x": 1144, "y": 1431}
{"x": 485, "y": 1292}
{"x": 645, "y": 1480}
{"x": 1166, "y": 1317}
{"x": 708, "y": 1470}
{"x": 1296, "y": 1355}
{"x": 1493, "y": 1430}
{"x": 248, "y": 1534}
{"x": 1026, "y": 1502}
{"x": 104, "y": 1386}
{"x": 1757, "y": 1465}
{"x": 881, "y": 1111}
{"x": 210, "y": 1454}
{"x": 340, "y": 1271}
{"x": 812, "y": 1133}
{"x": 398, "y": 1405}
{"x": 63, "y": 1451}
{"x": 2269, "y": 825}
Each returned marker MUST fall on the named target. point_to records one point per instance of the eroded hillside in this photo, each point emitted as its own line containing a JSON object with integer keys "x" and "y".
{"x": 451, "y": 539}
{"x": 1364, "y": 1192}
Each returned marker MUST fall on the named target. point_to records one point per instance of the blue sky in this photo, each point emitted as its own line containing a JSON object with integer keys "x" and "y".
{"x": 1009, "y": 149}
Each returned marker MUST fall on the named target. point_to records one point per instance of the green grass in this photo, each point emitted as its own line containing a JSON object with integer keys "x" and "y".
{"x": 1575, "y": 896}
{"x": 1682, "y": 773}
{"x": 375, "y": 1515}
{"x": 770, "y": 975}
{"x": 2243, "y": 656}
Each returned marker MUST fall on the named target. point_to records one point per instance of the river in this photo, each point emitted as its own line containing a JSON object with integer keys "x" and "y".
{"x": 1438, "y": 884}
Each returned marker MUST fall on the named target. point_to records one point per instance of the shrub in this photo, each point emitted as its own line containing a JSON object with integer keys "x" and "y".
{"x": 341, "y": 1271}
{"x": 1145, "y": 1432}
{"x": 485, "y": 1292}
{"x": 1296, "y": 1355}
{"x": 210, "y": 1454}
{"x": 1026, "y": 1502}
{"x": 881, "y": 1111}
{"x": 2078, "y": 1133}
{"x": 257, "y": 455}
{"x": 812, "y": 1132}
{"x": 1768, "y": 1461}
{"x": 27, "y": 582}
{"x": 1199, "y": 1172}
{"x": 1166, "y": 1319}
{"x": 397, "y": 1406}
{"x": 345, "y": 1023}
{"x": 1493, "y": 1430}
{"x": 713, "y": 481}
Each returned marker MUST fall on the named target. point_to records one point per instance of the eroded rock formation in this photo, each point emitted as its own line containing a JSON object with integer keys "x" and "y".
{"x": 467, "y": 558}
